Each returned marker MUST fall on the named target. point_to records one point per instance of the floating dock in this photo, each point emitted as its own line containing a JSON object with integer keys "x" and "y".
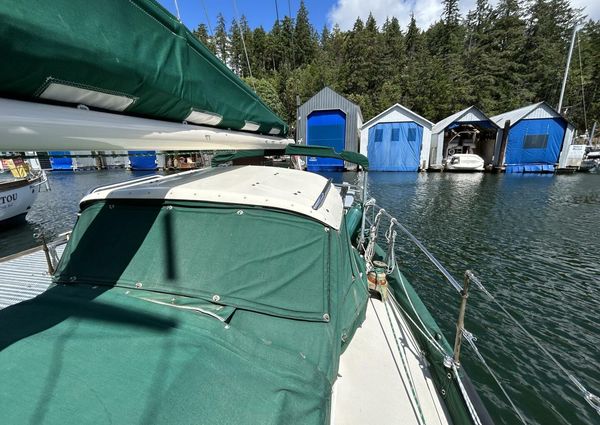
{"x": 25, "y": 275}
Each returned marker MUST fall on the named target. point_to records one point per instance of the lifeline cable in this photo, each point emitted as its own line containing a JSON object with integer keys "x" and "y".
{"x": 592, "y": 399}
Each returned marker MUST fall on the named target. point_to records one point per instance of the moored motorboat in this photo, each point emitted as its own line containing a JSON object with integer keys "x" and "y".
{"x": 464, "y": 162}
{"x": 591, "y": 162}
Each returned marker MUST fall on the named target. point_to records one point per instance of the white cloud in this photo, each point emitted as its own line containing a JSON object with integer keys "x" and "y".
{"x": 345, "y": 12}
{"x": 592, "y": 8}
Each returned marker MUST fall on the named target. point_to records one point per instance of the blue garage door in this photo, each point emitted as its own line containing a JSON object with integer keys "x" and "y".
{"x": 326, "y": 128}
{"x": 534, "y": 145}
{"x": 395, "y": 146}
{"x": 142, "y": 160}
{"x": 61, "y": 163}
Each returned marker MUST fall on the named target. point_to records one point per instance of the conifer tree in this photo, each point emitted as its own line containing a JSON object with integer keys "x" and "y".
{"x": 304, "y": 37}
{"x": 507, "y": 35}
{"x": 548, "y": 39}
{"x": 260, "y": 52}
{"x": 236, "y": 49}
{"x": 202, "y": 34}
{"x": 221, "y": 40}
{"x": 478, "y": 60}
{"x": 393, "y": 49}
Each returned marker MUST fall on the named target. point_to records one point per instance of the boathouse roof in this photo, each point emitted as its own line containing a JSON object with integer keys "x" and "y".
{"x": 470, "y": 114}
{"x": 404, "y": 111}
{"x": 538, "y": 110}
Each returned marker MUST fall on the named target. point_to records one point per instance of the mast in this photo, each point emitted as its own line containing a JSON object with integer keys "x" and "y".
{"x": 591, "y": 138}
{"x": 564, "y": 83}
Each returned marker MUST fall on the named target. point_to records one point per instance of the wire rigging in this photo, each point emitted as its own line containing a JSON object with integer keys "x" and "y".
{"x": 244, "y": 44}
{"x": 592, "y": 399}
{"x": 177, "y": 10}
{"x": 582, "y": 89}
{"x": 207, "y": 18}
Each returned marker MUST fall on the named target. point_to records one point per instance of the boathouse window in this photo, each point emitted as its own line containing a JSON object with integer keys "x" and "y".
{"x": 395, "y": 134}
{"x": 412, "y": 135}
{"x": 535, "y": 141}
{"x": 378, "y": 134}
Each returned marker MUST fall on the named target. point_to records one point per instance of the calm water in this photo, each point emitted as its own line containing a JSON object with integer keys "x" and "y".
{"x": 534, "y": 241}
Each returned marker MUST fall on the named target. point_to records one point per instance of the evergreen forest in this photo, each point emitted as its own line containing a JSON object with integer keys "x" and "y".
{"x": 496, "y": 57}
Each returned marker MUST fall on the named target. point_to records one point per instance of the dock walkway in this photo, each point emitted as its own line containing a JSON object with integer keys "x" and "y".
{"x": 24, "y": 275}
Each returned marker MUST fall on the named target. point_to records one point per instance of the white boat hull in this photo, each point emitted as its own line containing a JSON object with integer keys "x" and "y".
{"x": 465, "y": 162}
{"x": 15, "y": 202}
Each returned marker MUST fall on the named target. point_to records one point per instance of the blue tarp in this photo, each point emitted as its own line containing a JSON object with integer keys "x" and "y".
{"x": 535, "y": 142}
{"x": 326, "y": 128}
{"x": 530, "y": 168}
{"x": 61, "y": 163}
{"x": 395, "y": 146}
{"x": 142, "y": 160}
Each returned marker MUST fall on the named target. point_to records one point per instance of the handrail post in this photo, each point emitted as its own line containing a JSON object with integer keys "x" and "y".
{"x": 47, "y": 254}
{"x": 361, "y": 238}
{"x": 460, "y": 323}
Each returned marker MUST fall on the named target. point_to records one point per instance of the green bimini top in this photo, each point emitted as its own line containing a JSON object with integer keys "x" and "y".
{"x": 131, "y": 57}
{"x": 294, "y": 149}
{"x": 171, "y": 312}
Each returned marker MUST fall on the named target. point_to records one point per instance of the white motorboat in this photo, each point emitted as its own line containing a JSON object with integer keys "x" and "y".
{"x": 18, "y": 195}
{"x": 591, "y": 162}
{"x": 464, "y": 162}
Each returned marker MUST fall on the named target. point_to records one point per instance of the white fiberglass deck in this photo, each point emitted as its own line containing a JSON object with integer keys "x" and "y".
{"x": 297, "y": 191}
{"x": 383, "y": 379}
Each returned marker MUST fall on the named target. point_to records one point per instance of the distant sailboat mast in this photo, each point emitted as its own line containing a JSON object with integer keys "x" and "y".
{"x": 566, "y": 75}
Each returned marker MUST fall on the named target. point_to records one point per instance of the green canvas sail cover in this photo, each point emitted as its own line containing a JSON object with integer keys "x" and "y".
{"x": 131, "y": 57}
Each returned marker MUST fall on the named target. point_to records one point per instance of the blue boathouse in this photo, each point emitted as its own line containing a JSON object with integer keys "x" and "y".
{"x": 397, "y": 139}
{"x": 329, "y": 119}
{"x": 537, "y": 138}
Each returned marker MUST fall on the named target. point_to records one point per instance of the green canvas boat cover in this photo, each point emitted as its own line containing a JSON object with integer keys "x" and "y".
{"x": 131, "y": 57}
{"x": 242, "y": 255}
{"x": 156, "y": 319}
{"x": 294, "y": 149}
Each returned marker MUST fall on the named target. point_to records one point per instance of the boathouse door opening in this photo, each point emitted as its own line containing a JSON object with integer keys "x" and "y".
{"x": 326, "y": 128}
{"x": 61, "y": 162}
{"x": 477, "y": 137}
{"x": 142, "y": 160}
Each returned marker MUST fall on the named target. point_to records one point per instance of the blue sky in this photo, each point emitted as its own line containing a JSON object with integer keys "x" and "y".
{"x": 328, "y": 12}
{"x": 258, "y": 12}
